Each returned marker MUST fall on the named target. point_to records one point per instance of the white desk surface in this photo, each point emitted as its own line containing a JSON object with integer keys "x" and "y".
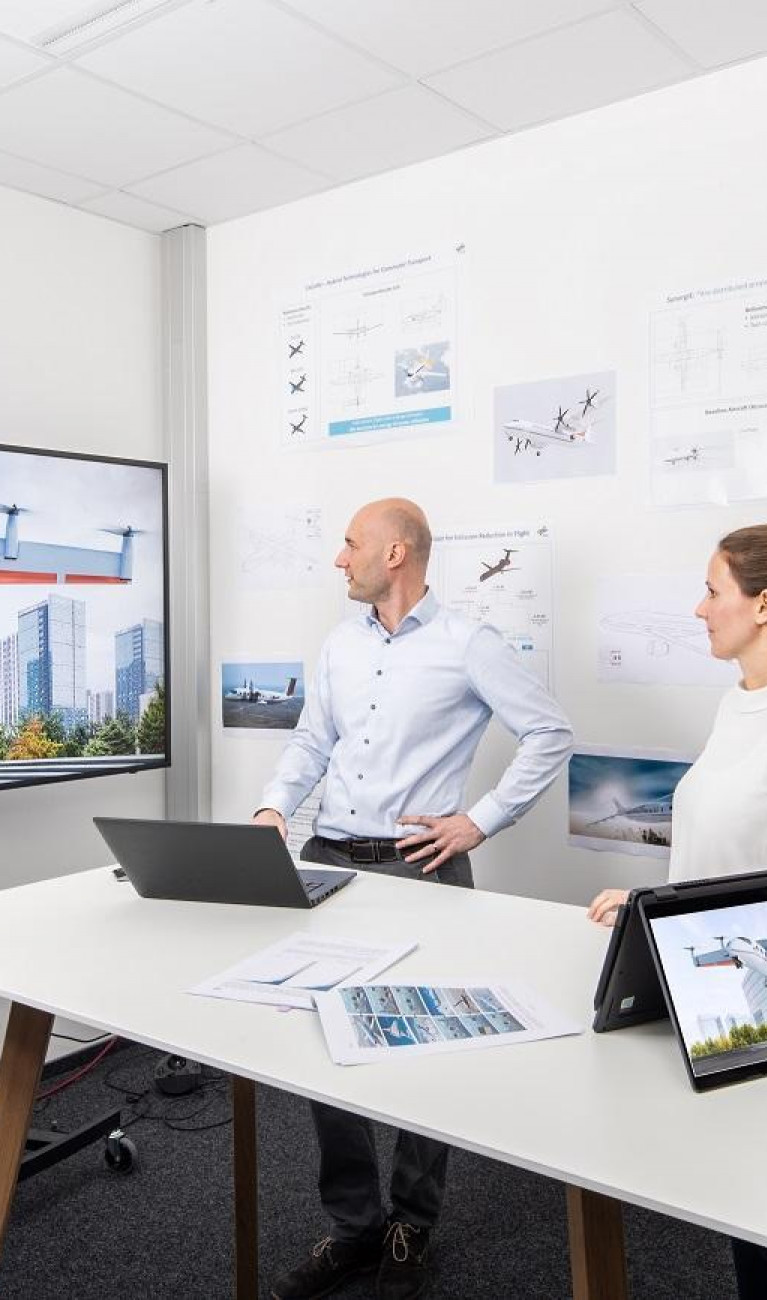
{"x": 610, "y": 1112}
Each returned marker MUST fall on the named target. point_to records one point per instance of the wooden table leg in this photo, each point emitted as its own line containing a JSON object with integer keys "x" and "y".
{"x": 597, "y": 1255}
{"x": 245, "y": 1188}
{"x": 26, "y": 1042}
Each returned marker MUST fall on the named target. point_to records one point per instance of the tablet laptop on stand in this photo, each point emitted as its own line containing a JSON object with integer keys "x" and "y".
{"x": 696, "y": 951}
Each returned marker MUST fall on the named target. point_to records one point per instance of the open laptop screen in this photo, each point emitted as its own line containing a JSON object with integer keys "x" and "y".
{"x": 711, "y": 956}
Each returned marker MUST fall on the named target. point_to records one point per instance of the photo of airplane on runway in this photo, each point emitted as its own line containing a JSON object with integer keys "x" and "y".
{"x": 490, "y": 570}
{"x": 52, "y": 563}
{"x": 570, "y": 426}
{"x": 253, "y": 695}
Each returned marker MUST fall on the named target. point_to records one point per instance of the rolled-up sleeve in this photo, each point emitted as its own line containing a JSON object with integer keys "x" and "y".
{"x": 531, "y": 714}
{"x": 305, "y": 758}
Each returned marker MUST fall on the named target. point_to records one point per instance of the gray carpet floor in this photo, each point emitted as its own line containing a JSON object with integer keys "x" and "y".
{"x": 164, "y": 1231}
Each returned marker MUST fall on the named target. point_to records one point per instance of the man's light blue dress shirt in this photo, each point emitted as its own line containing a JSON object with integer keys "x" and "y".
{"x": 394, "y": 719}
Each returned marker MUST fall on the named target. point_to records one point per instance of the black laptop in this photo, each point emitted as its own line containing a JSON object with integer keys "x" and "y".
{"x": 695, "y": 951}
{"x": 216, "y": 862}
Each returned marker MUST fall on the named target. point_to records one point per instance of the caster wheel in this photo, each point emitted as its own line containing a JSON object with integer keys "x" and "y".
{"x": 121, "y": 1155}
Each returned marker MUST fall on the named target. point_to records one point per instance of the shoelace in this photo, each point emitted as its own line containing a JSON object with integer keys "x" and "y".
{"x": 319, "y": 1250}
{"x": 400, "y": 1245}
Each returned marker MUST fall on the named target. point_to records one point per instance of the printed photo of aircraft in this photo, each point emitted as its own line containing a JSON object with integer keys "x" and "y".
{"x": 260, "y": 694}
{"x": 652, "y": 812}
{"x": 500, "y": 566}
{"x": 49, "y": 562}
{"x": 739, "y": 952}
{"x": 573, "y": 425}
{"x": 416, "y": 374}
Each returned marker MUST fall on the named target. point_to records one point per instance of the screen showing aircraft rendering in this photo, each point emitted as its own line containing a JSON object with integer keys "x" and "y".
{"x": 83, "y": 616}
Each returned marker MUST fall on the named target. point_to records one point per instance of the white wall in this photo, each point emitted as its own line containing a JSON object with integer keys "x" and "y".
{"x": 79, "y": 371}
{"x": 572, "y": 232}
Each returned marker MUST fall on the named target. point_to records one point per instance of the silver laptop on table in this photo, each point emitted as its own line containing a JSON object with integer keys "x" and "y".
{"x": 215, "y": 862}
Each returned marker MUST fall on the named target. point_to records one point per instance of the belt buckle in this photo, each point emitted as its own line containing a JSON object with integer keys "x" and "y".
{"x": 363, "y": 851}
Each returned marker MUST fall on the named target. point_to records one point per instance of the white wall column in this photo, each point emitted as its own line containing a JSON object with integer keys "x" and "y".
{"x": 186, "y": 424}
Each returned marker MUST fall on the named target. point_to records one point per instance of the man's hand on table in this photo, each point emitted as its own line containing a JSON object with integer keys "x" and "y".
{"x": 447, "y": 835}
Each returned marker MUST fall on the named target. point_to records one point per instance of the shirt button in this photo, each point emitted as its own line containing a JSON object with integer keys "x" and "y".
{"x": 379, "y": 672}
{"x": 366, "y": 742}
{"x": 372, "y": 706}
{"x": 359, "y": 776}
{"x": 352, "y": 811}
{"x": 388, "y": 640}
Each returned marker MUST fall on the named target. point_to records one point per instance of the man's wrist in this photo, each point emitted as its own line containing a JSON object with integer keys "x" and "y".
{"x": 268, "y": 808}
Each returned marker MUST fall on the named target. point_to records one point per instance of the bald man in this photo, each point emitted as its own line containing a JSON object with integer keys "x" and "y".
{"x": 401, "y": 698}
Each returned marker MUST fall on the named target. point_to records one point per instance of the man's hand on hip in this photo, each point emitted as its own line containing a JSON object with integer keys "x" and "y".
{"x": 445, "y": 835}
{"x": 270, "y": 817}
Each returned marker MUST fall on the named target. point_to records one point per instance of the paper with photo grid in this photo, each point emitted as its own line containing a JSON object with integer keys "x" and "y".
{"x": 373, "y": 1022}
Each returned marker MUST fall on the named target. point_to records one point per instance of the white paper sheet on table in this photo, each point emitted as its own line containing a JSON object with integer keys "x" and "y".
{"x": 373, "y": 1022}
{"x": 290, "y": 972}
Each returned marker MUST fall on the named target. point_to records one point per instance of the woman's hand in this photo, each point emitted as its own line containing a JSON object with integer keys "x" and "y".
{"x": 604, "y": 908}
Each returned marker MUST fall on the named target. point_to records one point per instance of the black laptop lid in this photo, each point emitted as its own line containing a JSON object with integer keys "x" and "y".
{"x": 207, "y": 862}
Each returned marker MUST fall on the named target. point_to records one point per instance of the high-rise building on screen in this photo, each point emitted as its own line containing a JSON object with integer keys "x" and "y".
{"x": 9, "y": 680}
{"x": 51, "y": 654}
{"x": 139, "y": 658}
{"x": 100, "y": 705}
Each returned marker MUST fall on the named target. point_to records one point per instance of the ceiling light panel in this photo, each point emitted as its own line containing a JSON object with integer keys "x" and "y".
{"x": 241, "y": 64}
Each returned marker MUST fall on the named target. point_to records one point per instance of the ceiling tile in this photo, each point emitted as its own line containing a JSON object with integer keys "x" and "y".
{"x": 17, "y": 62}
{"x": 393, "y": 130}
{"x": 74, "y": 122}
{"x": 241, "y": 64}
{"x": 136, "y": 212}
{"x": 246, "y": 179}
{"x": 45, "y": 181}
{"x": 595, "y": 62}
{"x": 431, "y": 34}
{"x": 30, "y": 19}
{"x": 713, "y": 32}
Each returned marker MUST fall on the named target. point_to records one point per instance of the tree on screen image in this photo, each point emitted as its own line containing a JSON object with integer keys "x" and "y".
{"x": 150, "y": 732}
{"x": 31, "y": 741}
{"x": 117, "y": 736}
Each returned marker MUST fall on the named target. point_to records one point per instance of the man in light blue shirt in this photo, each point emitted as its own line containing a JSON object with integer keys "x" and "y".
{"x": 401, "y": 698}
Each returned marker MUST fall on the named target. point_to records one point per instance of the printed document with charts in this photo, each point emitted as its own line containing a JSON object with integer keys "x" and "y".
{"x": 289, "y": 973}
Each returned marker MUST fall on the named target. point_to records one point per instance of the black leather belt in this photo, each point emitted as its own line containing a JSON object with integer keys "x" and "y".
{"x": 366, "y": 850}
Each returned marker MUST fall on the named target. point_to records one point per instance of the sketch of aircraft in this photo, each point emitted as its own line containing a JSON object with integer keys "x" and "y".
{"x": 359, "y": 330}
{"x": 738, "y": 952}
{"x": 653, "y": 811}
{"x": 262, "y": 695}
{"x": 298, "y": 428}
{"x": 571, "y": 426}
{"x": 49, "y": 562}
{"x": 684, "y": 457}
{"x": 298, "y": 385}
{"x": 662, "y": 630}
{"x": 500, "y": 566}
{"x": 295, "y": 348}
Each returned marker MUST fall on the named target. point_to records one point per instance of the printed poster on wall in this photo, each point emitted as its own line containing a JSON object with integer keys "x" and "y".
{"x": 623, "y": 800}
{"x": 708, "y": 395}
{"x": 501, "y": 576}
{"x": 370, "y": 354}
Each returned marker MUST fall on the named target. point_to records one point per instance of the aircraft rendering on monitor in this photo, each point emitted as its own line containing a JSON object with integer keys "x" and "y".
{"x": 738, "y": 952}
{"x": 46, "y": 562}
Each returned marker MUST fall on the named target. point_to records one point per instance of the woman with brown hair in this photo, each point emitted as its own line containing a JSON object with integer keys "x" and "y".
{"x": 719, "y": 824}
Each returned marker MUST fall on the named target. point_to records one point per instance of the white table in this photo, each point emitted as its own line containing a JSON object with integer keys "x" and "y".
{"x": 612, "y": 1116}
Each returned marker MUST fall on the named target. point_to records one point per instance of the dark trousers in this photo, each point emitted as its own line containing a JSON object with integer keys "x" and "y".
{"x": 750, "y": 1269}
{"x": 349, "y": 1183}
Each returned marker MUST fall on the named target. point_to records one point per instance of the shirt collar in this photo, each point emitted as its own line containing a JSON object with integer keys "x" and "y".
{"x": 421, "y": 614}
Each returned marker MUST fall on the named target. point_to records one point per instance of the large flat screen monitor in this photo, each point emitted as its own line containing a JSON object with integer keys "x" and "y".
{"x": 84, "y": 687}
